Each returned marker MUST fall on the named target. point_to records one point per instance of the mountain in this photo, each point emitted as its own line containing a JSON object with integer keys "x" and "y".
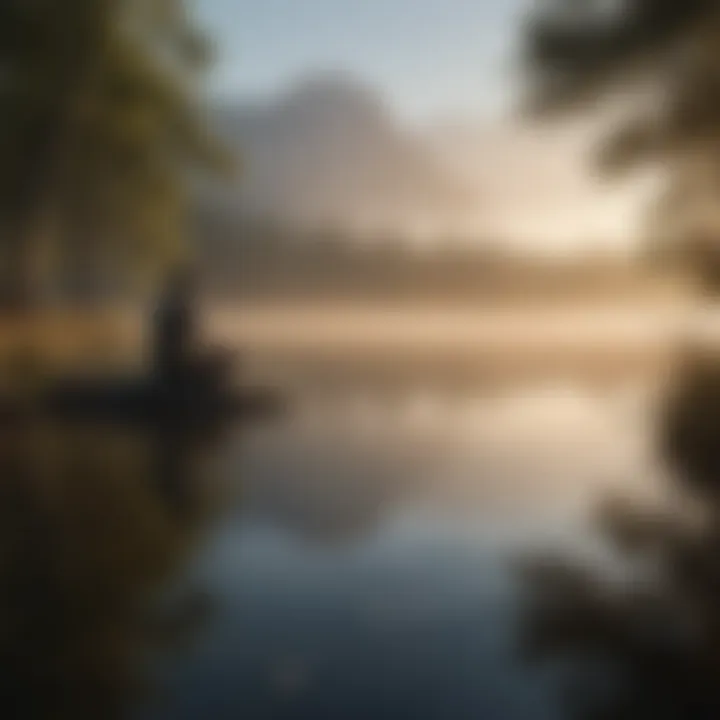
{"x": 329, "y": 153}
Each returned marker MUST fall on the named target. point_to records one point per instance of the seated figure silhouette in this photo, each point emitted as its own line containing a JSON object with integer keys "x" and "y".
{"x": 187, "y": 386}
{"x": 188, "y": 379}
{"x": 175, "y": 333}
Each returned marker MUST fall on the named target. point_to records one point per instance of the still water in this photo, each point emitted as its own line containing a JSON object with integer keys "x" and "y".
{"x": 353, "y": 558}
{"x": 365, "y": 569}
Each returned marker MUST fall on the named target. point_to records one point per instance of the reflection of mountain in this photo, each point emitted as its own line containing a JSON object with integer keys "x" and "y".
{"x": 329, "y": 153}
{"x": 350, "y": 463}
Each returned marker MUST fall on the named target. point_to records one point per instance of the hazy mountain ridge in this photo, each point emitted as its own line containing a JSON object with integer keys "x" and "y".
{"x": 329, "y": 154}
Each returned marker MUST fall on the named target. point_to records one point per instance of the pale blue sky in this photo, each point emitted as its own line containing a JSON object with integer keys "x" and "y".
{"x": 435, "y": 59}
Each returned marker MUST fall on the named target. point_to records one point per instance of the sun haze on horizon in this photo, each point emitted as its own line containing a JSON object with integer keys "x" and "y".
{"x": 442, "y": 66}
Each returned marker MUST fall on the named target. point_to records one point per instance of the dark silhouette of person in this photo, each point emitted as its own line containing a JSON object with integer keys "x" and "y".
{"x": 175, "y": 333}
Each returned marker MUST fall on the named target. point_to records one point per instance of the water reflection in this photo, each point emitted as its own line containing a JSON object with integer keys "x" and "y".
{"x": 639, "y": 636}
{"x": 362, "y": 573}
{"x": 96, "y": 525}
{"x": 365, "y": 572}
{"x": 346, "y": 466}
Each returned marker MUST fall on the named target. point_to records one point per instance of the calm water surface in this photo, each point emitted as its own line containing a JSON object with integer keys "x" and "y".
{"x": 354, "y": 558}
{"x": 365, "y": 567}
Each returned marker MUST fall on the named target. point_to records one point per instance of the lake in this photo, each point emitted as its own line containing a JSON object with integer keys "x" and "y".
{"x": 355, "y": 557}
{"x": 366, "y": 567}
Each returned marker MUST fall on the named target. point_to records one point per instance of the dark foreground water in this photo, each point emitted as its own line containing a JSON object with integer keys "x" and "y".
{"x": 356, "y": 558}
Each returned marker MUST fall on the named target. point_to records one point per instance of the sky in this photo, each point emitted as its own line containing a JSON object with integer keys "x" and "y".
{"x": 437, "y": 62}
{"x": 436, "y": 59}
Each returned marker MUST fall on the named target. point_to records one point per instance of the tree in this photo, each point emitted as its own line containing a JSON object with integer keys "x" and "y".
{"x": 100, "y": 134}
{"x": 640, "y": 637}
{"x": 661, "y": 60}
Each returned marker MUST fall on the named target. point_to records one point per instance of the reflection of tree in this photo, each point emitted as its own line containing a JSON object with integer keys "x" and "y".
{"x": 641, "y": 639}
{"x": 87, "y": 544}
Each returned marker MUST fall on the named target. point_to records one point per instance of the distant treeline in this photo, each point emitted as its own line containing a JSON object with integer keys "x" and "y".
{"x": 252, "y": 259}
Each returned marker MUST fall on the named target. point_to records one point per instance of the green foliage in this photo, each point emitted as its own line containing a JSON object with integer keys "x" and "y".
{"x": 101, "y": 129}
